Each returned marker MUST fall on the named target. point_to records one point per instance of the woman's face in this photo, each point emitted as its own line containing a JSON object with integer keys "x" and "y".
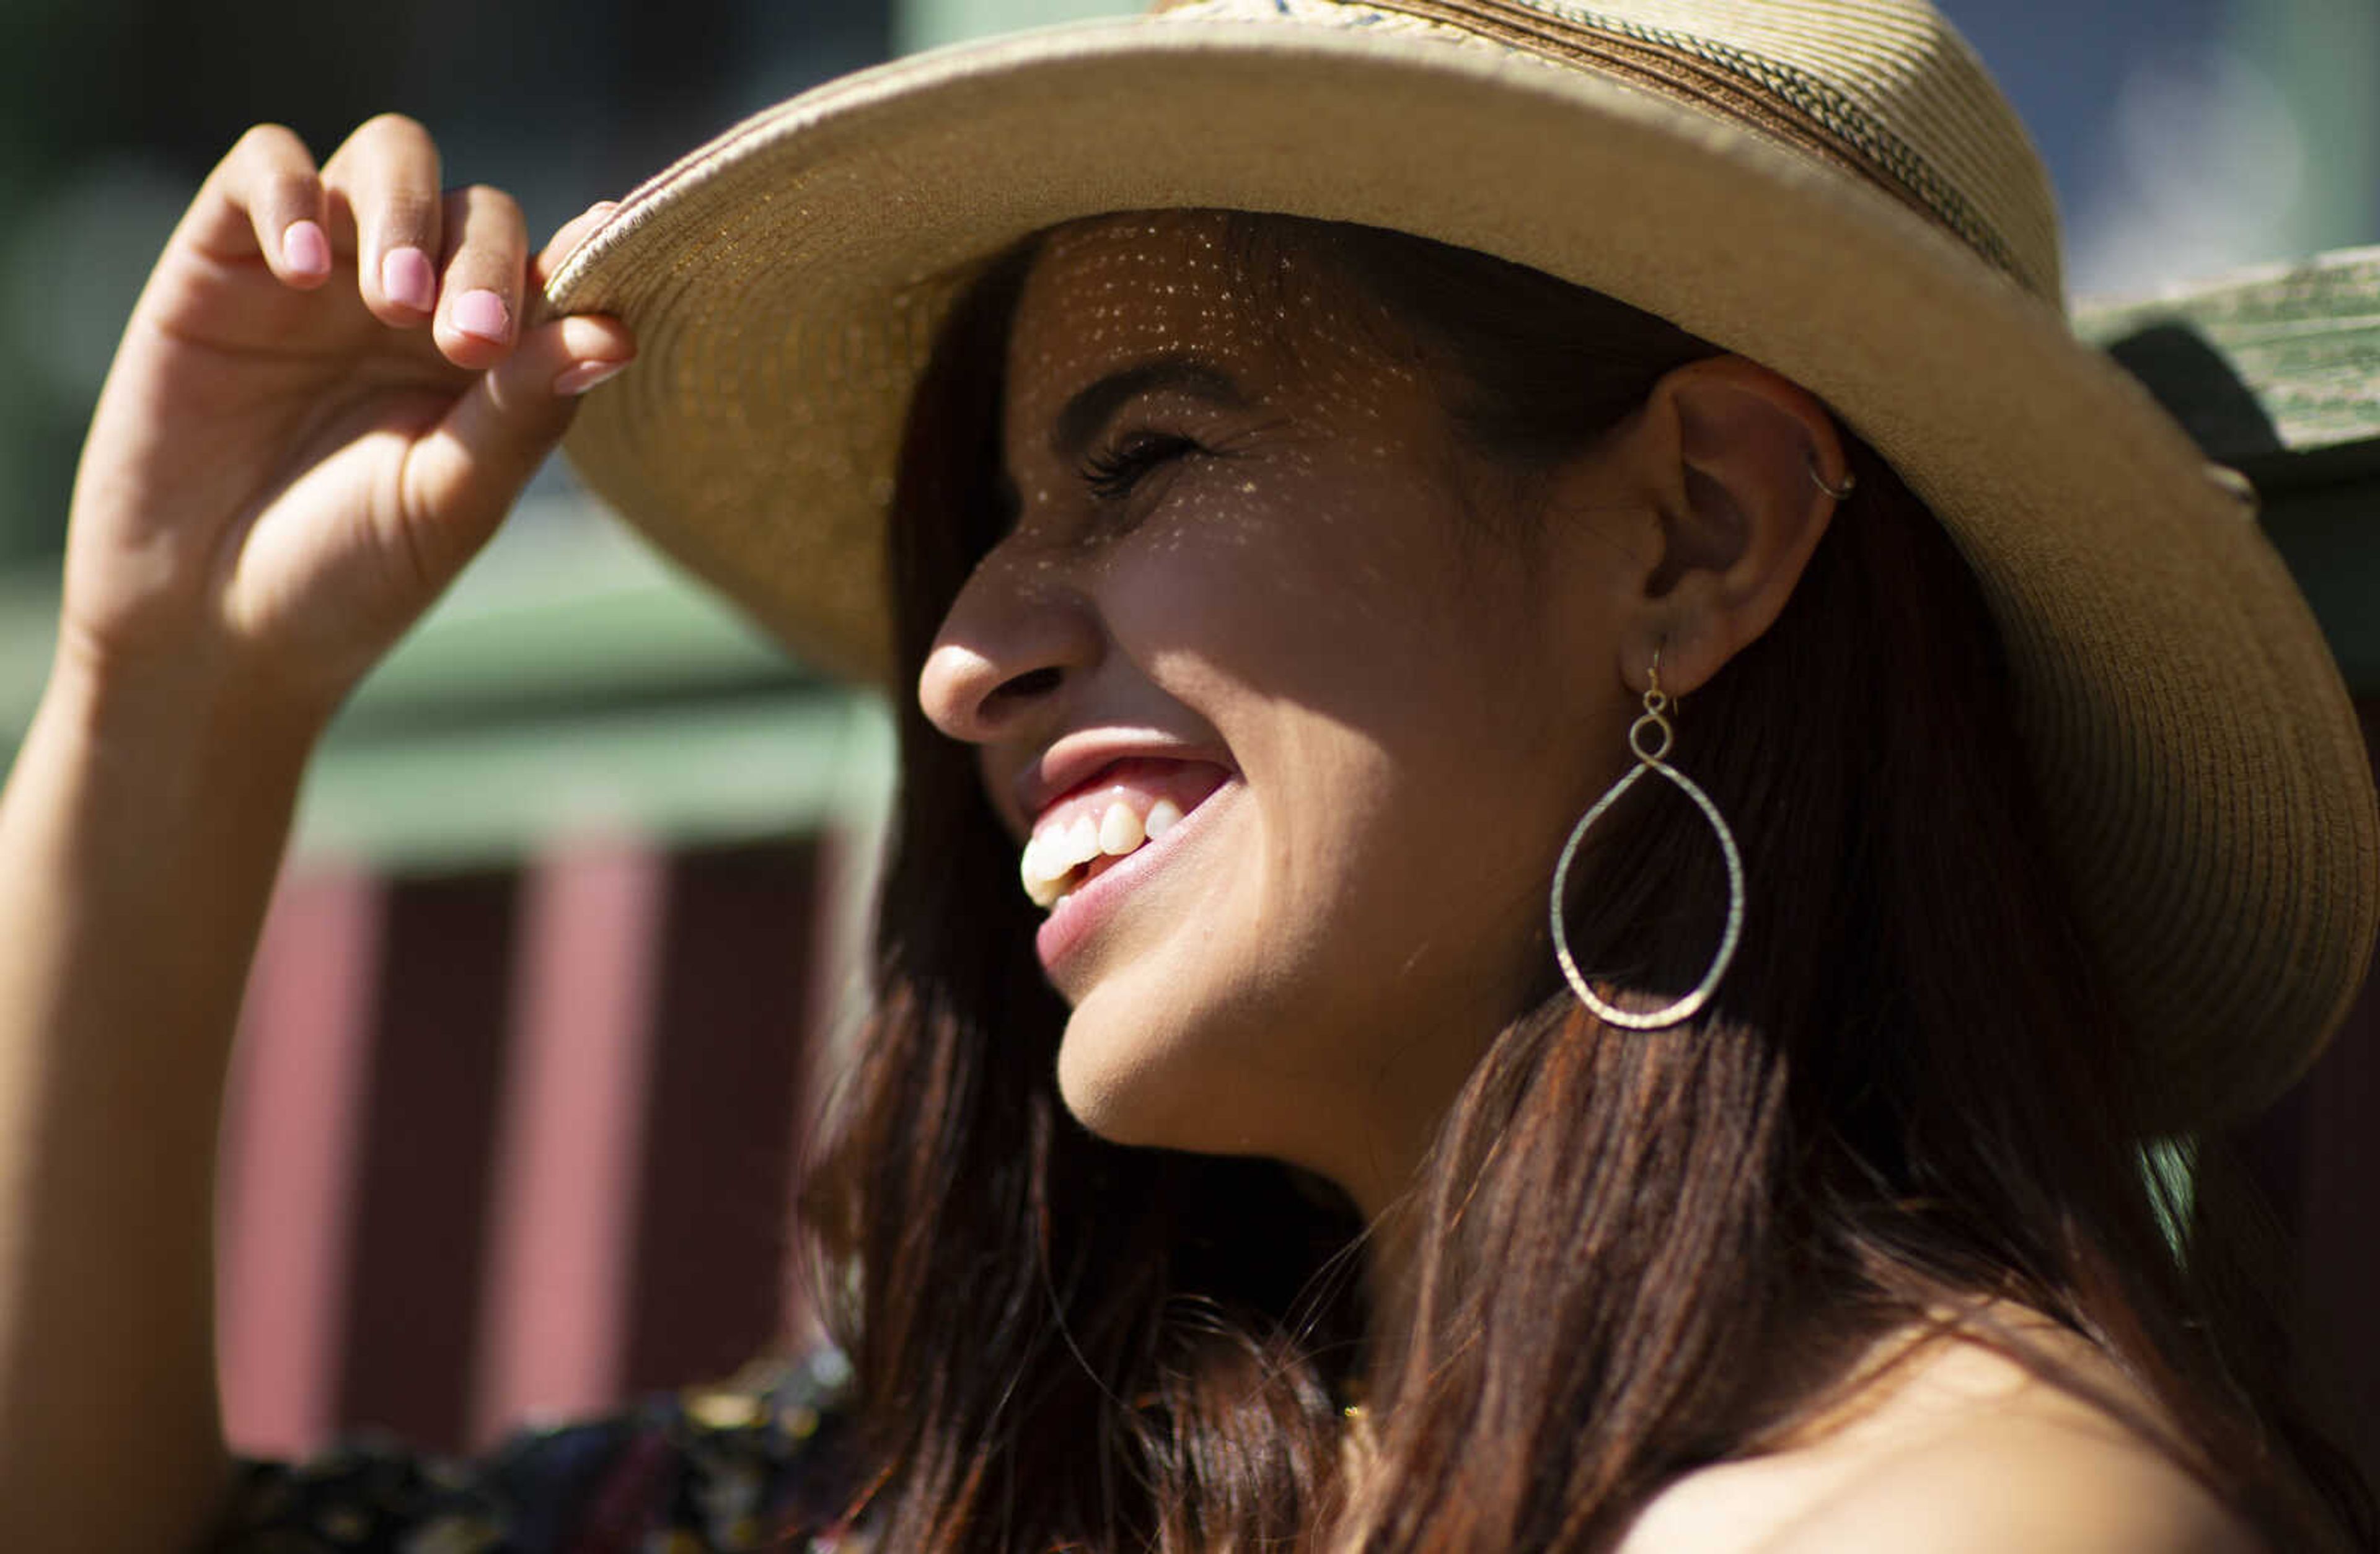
{"x": 1257, "y": 607}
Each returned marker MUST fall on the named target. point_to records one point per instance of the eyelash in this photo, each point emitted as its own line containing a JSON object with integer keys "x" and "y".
{"x": 1112, "y": 472}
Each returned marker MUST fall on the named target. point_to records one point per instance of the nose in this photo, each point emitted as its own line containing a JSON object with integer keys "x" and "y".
{"x": 1013, "y": 642}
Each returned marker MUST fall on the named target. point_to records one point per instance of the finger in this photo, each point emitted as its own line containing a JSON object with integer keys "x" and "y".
{"x": 567, "y": 238}
{"x": 385, "y": 181}
{"x": 264, "y": 199}
{"x": 486, "y": 255}
{"x": 467, "y": 471}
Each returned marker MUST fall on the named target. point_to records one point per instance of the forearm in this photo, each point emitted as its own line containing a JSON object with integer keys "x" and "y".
{"x": 138, "y": 848}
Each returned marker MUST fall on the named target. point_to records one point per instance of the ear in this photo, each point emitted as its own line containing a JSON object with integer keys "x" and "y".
{"x": 1732, "y": 456}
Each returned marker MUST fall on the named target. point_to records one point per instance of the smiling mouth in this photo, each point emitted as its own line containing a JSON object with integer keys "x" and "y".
{"x": 1122, "y": 809}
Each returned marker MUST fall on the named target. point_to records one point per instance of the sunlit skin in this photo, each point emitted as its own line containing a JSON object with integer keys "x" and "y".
{"x": 1414, "y": 705}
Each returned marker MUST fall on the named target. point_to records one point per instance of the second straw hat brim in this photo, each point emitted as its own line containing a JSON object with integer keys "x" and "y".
{"x": 2204, "y": 777}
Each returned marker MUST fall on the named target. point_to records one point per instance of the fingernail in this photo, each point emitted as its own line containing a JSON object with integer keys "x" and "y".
{"x": 586, "y": 375}
{"x": 483, "y": 313}
{"x": 406, "y": 280}
{"x": 305, "y": 249}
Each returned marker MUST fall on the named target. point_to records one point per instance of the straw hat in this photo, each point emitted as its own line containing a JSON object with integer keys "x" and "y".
{"x": 1834, "y": 189}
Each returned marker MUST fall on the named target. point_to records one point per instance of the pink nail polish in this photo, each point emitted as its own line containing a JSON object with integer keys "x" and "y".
{"x": 406, "y": 279}
{"x": 586, "y": 375}
{"x": 483, "y": 313}
{"x": 304, "y": 248}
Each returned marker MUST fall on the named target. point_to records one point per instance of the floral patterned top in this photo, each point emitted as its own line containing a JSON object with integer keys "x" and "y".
{"x": 762, "y": 1463}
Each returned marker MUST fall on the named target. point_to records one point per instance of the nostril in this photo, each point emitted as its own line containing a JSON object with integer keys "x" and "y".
{"x": 963, "y": 693}
{"x": 1026, "y": 687}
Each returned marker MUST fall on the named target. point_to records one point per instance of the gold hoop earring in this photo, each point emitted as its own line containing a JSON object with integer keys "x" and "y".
{"x": 1651, "y": 756}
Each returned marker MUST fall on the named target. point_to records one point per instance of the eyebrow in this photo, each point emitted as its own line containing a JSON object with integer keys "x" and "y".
{"x": 1091, "y": 408}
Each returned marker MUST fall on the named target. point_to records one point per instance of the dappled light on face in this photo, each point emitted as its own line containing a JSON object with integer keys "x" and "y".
{"x": 1333, "y": 413}
{"x": 1235, "y": 469}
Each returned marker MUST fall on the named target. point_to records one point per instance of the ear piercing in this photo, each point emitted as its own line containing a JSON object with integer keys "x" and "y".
{"x": 1841, "y": 493}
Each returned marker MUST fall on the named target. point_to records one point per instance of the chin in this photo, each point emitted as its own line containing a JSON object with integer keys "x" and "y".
{"x": 1116, "y": 1085}
{"x": 1131, "y": 1080}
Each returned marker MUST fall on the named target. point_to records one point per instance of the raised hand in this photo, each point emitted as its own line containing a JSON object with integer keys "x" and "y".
{"x": 323, "y": 406}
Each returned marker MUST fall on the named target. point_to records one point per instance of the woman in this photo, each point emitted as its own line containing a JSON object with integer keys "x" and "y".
{"x": 1590, "y": 971}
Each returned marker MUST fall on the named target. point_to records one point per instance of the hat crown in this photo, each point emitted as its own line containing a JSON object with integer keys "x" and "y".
{"x": 1887, "y": 89}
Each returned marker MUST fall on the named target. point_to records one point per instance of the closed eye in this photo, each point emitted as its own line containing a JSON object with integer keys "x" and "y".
{"x": 1114, "y": 470}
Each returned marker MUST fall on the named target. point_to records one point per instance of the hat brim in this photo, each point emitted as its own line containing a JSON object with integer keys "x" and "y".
{"x": 2205, "y": 780}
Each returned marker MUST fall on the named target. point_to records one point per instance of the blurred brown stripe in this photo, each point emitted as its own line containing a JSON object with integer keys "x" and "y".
{"x": 289, "y": 1186}
{"x": 438, "y": 1049}
{"x": 737, "y": 976}
{"x": 571, "y": 1139}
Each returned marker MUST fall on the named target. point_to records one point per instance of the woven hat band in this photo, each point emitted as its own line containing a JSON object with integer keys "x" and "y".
{"x": 1796, "y": 104}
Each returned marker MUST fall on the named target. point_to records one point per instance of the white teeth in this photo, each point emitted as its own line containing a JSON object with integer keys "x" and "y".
{"x": 1120, "y": 830}
{"x": 1051, "y": 857}
{"x": 1038, "y": 886}
{"x": 1042, "y": 871}
{"x": 1081, "y": 844}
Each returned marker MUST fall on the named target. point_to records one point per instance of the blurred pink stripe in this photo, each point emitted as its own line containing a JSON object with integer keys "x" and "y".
{"x": 286, "y": 1199}
{"x": 570, "y": 1139}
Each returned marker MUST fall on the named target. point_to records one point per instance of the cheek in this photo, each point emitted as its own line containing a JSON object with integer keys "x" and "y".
{"x": 1339, "y": 588}
{"x": 1377, "y": 688}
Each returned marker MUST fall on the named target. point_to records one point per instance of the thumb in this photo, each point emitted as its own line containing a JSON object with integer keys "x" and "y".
{"x": 466, "y": 472}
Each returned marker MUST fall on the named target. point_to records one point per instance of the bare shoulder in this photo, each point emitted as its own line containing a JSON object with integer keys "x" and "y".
{"x": 2018, "y": 1483}
{"x": 1960, "y": 1450}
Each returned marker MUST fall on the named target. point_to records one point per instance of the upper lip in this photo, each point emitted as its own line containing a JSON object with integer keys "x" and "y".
{"x": 1076, "y": 759}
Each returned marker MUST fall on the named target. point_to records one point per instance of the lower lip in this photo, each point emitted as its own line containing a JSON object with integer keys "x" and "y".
{"x": 1083, "y": 913}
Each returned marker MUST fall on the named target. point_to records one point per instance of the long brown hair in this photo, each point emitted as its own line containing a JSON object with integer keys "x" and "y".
{"x": 1638, "y": 1254}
